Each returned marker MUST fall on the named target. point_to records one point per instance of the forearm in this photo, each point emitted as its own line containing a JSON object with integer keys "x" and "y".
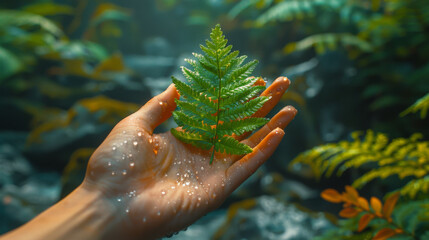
{"x": 82, "y": 215}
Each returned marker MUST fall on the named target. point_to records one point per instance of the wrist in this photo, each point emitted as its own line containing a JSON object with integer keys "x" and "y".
{"x": 83, "y": 214}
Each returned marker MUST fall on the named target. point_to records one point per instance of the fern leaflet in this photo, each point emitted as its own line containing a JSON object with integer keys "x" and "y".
{"x": 401, "y": 157}
{"x": 218, "y": 98}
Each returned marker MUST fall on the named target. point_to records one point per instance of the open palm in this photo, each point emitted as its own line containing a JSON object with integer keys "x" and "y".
{"x": 161, "y": 185}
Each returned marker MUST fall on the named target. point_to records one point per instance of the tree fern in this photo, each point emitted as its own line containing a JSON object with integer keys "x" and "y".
{"x": 218, "y": 98}
{"x": 401, "y": 157}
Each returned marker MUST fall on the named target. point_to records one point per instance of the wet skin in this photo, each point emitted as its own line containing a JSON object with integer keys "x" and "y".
{"x": 158, "y": 182}
{"x": 141, "y": 185}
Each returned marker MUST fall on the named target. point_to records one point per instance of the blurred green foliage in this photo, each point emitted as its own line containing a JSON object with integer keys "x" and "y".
{"x": 387, "y": 40}
{"x": 54, "y": 76}
{"x": 388, "y": 43}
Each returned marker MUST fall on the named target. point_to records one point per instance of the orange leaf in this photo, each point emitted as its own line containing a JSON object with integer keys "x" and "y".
{"x": 363, "y": 203}
{"x": 384, "y": 233}
{"x": 348, "y": 198}
{"x": 352, "y": 192}
{"x": 349, "y": 212}
{"x": 347, "y": 204}
{"x": 364, "y": 220}
{"x": 376, "y": 205}
{"x": 389, "y": 205}
{"x": 331, "y": 195}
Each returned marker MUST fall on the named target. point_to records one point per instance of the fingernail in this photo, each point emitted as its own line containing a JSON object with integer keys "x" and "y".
{"x": 290, "y": 109}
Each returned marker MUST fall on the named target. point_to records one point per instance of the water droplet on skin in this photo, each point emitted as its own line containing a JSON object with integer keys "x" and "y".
{"x": 150, "y": 140}
{"x": 109, "y": 164}
{"x": 130, "y": 155}
{"x": 163, "y": 193}
{"x": 125, "y": 142}
{"x": 124, "y": 172}
{"x": 135, "y": 143}
{"x": 196, "y": 187}
{"x": 132, "y": 164}
{"x": 187, "y": 183}
{"x": 113, "y": 173}
{"x": 161, "y": 103}
{"x": 139, "y": 134}
{"x": 127, "y": 210}
{"x": 114, "y": 148}
{"x": 119, "y": 199}
{"x": 173, "y": 187}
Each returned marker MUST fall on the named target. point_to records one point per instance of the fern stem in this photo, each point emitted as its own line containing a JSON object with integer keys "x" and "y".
{"x": 218, "y": 105}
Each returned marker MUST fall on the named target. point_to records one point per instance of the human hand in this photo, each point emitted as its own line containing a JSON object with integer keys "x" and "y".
{"x": 159, "y": 185}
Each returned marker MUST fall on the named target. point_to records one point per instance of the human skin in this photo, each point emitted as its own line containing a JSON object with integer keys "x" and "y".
{"x": 140, "y": 185}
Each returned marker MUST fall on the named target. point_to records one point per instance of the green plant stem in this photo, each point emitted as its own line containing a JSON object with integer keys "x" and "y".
{"x": 218, "y": 106}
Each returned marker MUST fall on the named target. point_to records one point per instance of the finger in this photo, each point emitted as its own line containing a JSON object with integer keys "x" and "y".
{"x": 275, "y": 91}
{"x": 280, "y": 120}
{"x": 158, "y": 109}
{"x": 245, "y": 167}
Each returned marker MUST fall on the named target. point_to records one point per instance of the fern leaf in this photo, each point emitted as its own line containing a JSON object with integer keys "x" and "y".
{"x": 231, "y": 146}
{"x": 295, "y": 9}
{"x": 415, "y": 186}
{"x": 401, "y": 157}
{"x": 26, "y": 19}
{"x": 421, "y": 105}
{"x": 322, "y": 42}
{"x": 218, "y": 98}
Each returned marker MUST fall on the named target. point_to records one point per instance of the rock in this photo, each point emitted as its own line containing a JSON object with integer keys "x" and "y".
{"x": 203, "y": 228}
{"x": 24, "y": 192}
{"x": 150, "y": 66}
{"x": 157, "y": 46}
{"x": 270, "y": 218}
{"x": 259, "y": 218}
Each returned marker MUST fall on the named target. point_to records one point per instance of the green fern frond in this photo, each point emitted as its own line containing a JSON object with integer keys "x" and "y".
{"x": 296, "y": 9}
{"x": 421, "y": 105}
{"x": 415, "y": 186}
{"x": 218, "y": 98}
{"x": 401, "y": 157}
{"x": 26, "y": 19}
{"x": 328, "y": 41}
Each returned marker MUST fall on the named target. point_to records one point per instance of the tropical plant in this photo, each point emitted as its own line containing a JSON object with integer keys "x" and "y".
{"x": 407, "y": 221}
{"x": 407, "y": 158}
{"x": 421, "y": 105}
{"x": 218, "y": 99}
{"x": 385, "y": 41}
